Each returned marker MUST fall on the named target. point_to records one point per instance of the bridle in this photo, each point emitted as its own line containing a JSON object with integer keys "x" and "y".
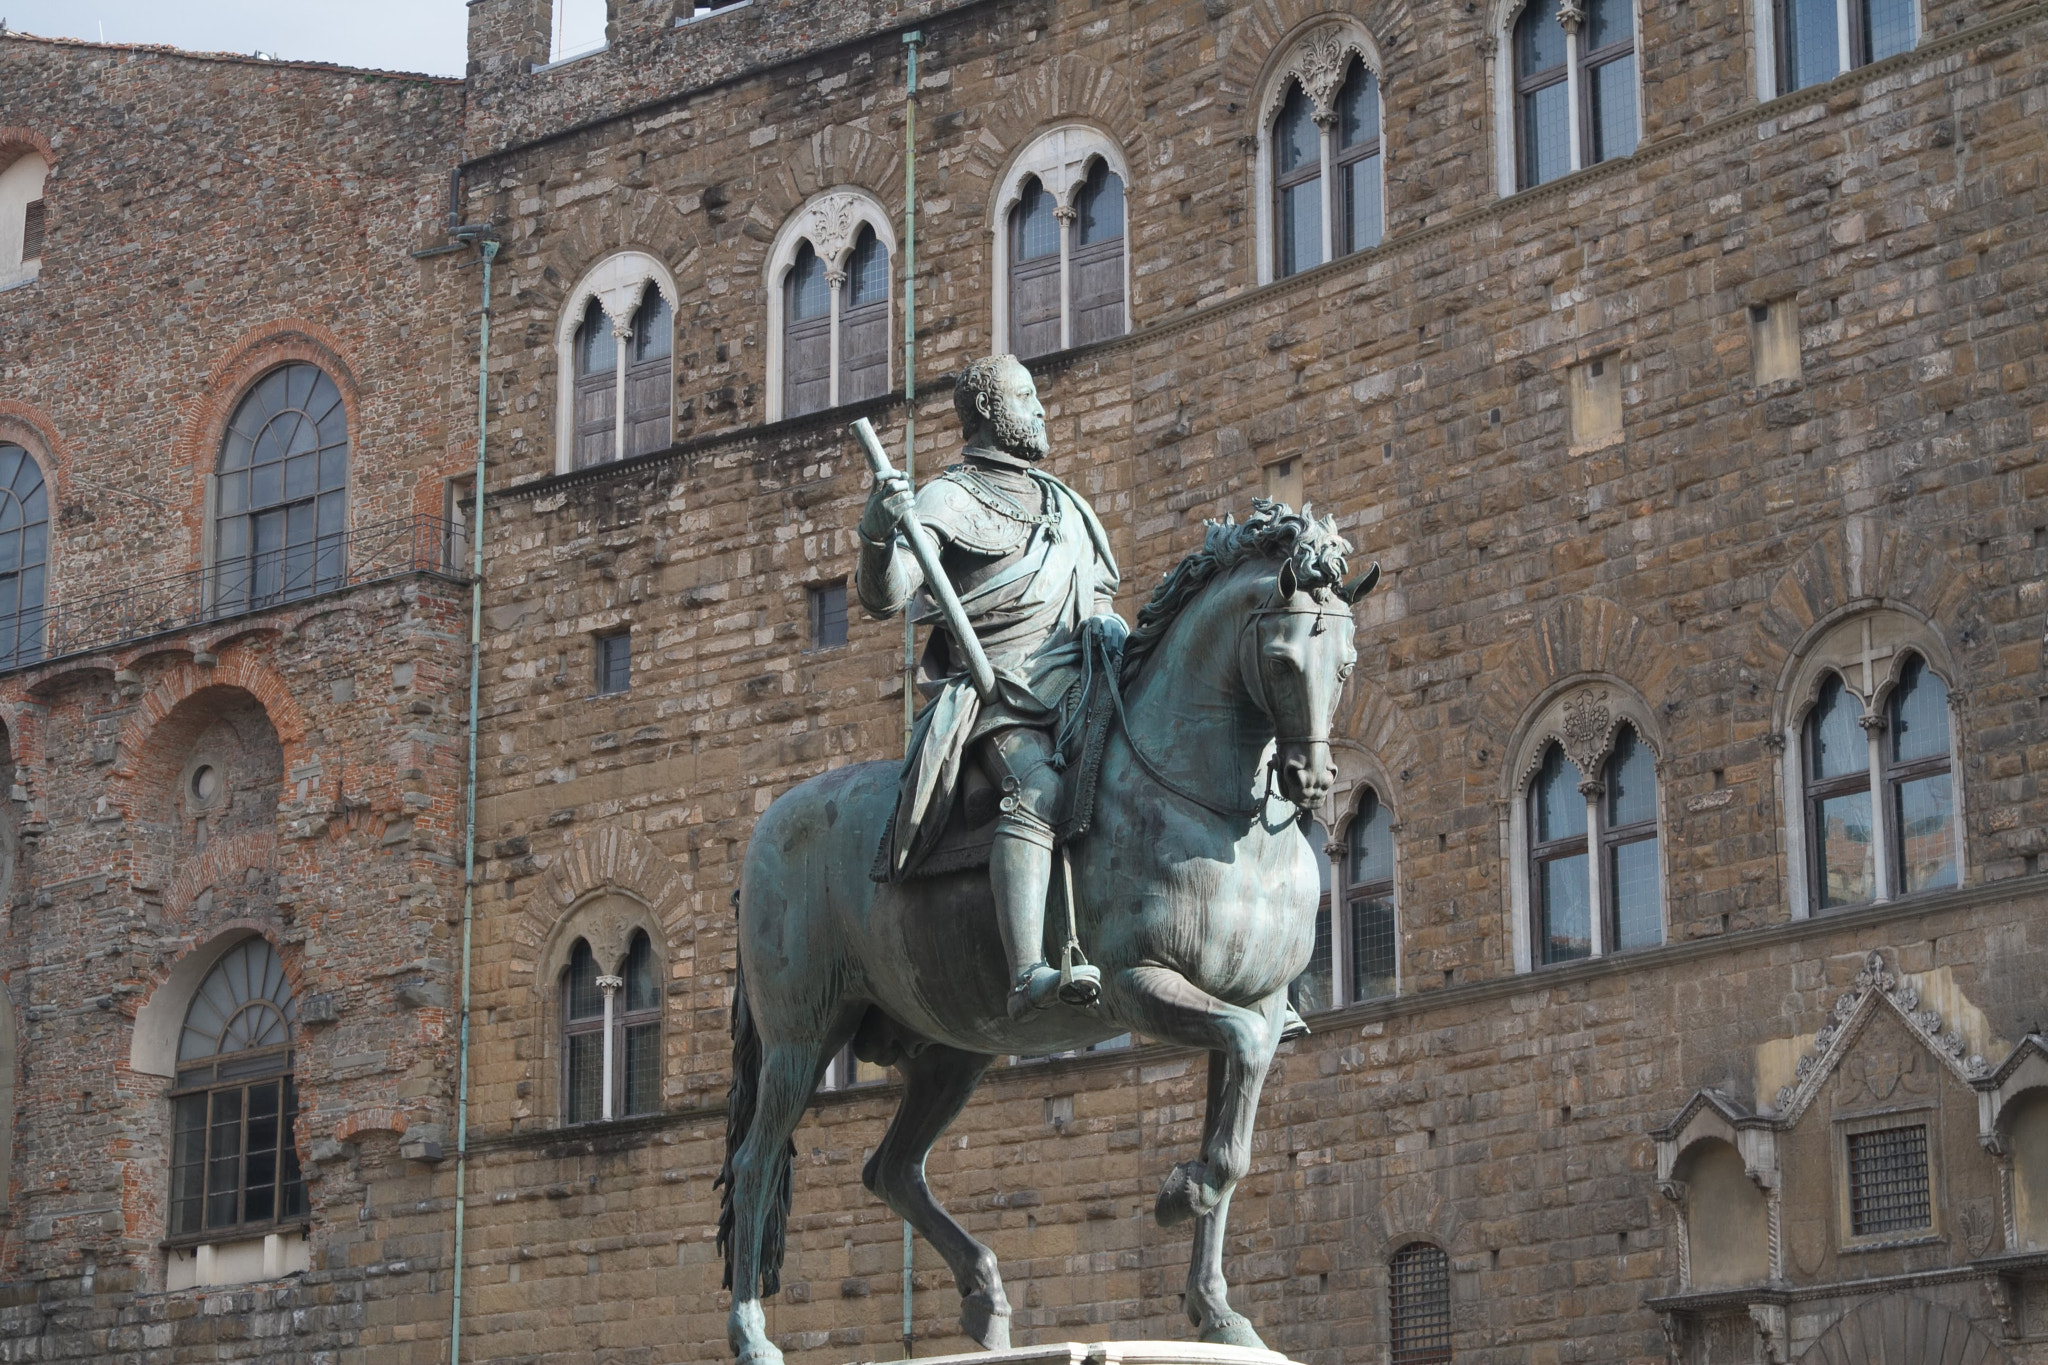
{"x": 1255, "y": 684}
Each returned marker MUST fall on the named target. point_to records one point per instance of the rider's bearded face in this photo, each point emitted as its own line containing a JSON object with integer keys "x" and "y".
{"x": 1018, "y": 421}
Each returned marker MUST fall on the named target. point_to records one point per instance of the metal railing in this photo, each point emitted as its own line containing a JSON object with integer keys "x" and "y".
{"x": 237, "y": 587}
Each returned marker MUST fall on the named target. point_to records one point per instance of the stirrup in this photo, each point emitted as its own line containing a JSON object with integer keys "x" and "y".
{"x": 1292, "y": 1025}
{"x": 1041, "y": 984}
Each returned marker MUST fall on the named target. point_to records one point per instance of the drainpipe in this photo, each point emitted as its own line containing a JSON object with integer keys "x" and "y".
{"x": 910, "y": 43}
{"x": 482, "y": 235}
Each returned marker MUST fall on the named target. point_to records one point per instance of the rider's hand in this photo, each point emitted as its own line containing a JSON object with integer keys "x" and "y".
{"x": 890, "y": 498}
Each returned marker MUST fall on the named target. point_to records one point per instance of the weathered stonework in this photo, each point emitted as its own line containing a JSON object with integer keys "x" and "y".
{"x": 1677, "y": 575}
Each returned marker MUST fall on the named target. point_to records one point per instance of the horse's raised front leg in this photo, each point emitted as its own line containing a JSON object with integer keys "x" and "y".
{"x": 760, "y": 1194}
{"x": 938, "y": 1082}
{"x": 1240, "y": 1043}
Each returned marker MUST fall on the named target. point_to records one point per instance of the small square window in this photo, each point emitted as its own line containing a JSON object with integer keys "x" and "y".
{"x": 614, "y": 663}
{"x": 828, "y": 615}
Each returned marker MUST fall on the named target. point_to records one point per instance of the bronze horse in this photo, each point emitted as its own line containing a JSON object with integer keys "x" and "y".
{"x": 1194, "y": 891}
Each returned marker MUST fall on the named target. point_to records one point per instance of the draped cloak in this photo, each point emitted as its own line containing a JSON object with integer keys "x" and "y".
{"x": 1030, "y": 564}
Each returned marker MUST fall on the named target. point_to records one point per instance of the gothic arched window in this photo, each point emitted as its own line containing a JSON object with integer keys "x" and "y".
{"x": 614, "y": 346}
{"x": 1838, "y": 799}
{"x": 1357, "y": 943}
{"x": 864, "y": 321}
{"x": 1632, "y": 882}
{"x": 1034, "y": 272}
{"x": 234, "y": 1163}
{"x": 1560, "y": 873}
{"x": 829, "y": 274}
{"x": 1061, "y": 265}
{"x": 281, "y": 492}
{"x": 1356, "y": 156}
{"x": 1095, "y": 266}
{"x": 1297, "y": 185}
{"x": 611, "y": 1034}
{"x": 24, "y": 556}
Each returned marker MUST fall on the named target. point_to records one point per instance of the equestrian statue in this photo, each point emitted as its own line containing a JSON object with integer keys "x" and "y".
{"x": 1151, "y": 788}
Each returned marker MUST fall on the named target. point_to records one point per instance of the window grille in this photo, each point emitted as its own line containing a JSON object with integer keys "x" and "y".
{"x": 1419, "y": 1293}
{"x": 1888, "y": 1187}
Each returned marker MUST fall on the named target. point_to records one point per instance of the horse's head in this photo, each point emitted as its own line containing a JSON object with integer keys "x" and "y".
{"x": 1297, "y": 654}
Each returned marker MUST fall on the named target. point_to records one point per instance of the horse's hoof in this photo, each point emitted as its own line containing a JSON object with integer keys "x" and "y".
{"x": 1182, "y": 1196}
{"x": 1232, "y": 1329}
{"x": 984, "y": 1322}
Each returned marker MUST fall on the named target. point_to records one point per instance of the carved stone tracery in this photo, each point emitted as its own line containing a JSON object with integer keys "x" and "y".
{"x": 1834, "y": 1037}
{"x": 831, "y": 221}
{"x": 1318, "y": 64}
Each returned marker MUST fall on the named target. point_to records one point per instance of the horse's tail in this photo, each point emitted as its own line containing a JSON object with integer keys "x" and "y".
{"x": 741, "y": 1099}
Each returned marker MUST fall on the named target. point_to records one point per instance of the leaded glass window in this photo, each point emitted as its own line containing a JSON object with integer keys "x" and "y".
{"x": 1297, "y": 184}
{"x": 1811, "y": 44}
{"x": 1635, "y": 913}
{"x": 1542, "y": 95}
{"x": 611, "y": 1034}
{"x": 1840, "y": 827}
{"x": 1609, "y": 44}
{"x": 1369, "y": 899}
{"x": 234, "y": 1160}
{"x": 1598, "y": 57}
{"x": 1560, "y": 873}
{"x": 1918, "y": 779}
{"x": 1357, "y": 161}
{"x": 281, "y": 492}
{"x": 24, "y": 556}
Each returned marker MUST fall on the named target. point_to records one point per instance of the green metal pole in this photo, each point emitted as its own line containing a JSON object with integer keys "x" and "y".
{"x": 910, "y": 42}
{"x": 476, "y": 638}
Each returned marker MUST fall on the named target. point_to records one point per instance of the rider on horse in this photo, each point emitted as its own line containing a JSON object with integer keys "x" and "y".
{"x": 1032, "y": 566}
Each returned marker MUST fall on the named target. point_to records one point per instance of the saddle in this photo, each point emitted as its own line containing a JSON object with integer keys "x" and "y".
{"x": 1087, "y": 712}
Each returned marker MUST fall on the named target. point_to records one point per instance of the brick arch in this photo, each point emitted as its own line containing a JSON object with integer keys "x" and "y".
{"x": 375, "y": 1120}
{"x": 16, "y": 140}
{"x": 1580, "y": 637}
{"x": 829, "y": 158}
{"x": 607, "y": 860}
{"x": 258, "y": 351}
{"x": 1869, "y": 563}
{"x": 237, "y": 853}
{"x": 1266, "y": 32}
{"x": 1068, "y": 89}
{"x": 183, "y": 680}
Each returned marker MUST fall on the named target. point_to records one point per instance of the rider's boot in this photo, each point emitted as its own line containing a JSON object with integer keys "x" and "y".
{"x": 1020, "y": 872}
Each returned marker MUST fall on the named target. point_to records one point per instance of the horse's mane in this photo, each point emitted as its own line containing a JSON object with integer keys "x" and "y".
{"x": 1272, "y": 531}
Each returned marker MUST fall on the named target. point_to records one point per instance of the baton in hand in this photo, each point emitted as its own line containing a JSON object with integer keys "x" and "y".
{"x": 926, "y": 552}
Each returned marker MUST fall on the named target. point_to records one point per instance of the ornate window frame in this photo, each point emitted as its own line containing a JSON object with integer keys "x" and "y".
{"x": 1867, "y": 645}
{"x": 1060, "y": 158}
{"x": 1317, "y": 57}
{"x": 607, "y": 919}
{"x": 1500, "y": 49}
{"x": 1584, "y": 716}
{"x": 830, "y": 221}
{"x": 619, "y": 284}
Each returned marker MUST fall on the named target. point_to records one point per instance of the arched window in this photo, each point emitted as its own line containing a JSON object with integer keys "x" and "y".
{"x": 1813, "y": 45}
{"x": 1034, "y": 272}
{"x": 1096, "y": 265}
{"x": 1419, "y": 1305}
{"x": 864, "y": 321}
{"x": 1062, "y": 271}
{"x": 829, "y": 274}
{"x": 1357, "y": 945}
{"x": 21, "y": 219}
{"x": 1880, "y": 793}
{"x": 281, "y": 492}
{"x": 1586, "y": 831}
{"x": 24, "y": 556}
{"x": 1628, "y": 833}
{"x": 1560, "y": 873}
{"x": 1298, "y": 184}
{"x": 234, "y": 1163}
{"x": 611, "y": 1034}
{"x": 1574, "y": 87}
{"x": 1357, "y": 159}
{"x": 615, "y": 336}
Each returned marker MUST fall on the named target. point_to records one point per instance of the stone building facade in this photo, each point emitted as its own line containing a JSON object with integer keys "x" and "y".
{"x": 1683, "y": 988}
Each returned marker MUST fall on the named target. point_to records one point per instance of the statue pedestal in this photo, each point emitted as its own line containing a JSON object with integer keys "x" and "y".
{"x": 1115, "y": 1353}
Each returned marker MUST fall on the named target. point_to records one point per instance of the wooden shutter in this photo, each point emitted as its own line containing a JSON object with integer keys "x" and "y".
{"x": 1035, "y": 306}
{"x": 864, "y": 352}
{"x": 32, "y": 232}
{"x": 595, "y": 426}
{"x": 807, "y": 366}
{"x": 1098, "y": 281}
{"x": 648, "y": 386}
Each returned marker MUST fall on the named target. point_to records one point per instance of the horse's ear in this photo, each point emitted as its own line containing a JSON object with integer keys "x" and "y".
{"x": 1361, "y": 585}
{"x": 1289, "y": 584}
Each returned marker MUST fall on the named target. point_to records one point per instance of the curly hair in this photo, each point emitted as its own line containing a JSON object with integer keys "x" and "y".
{"x": 1272, "y": 531}
{"x": 982, "y": 379}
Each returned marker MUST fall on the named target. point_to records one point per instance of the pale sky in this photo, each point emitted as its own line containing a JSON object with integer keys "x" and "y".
{"x": 394, "y": 35}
